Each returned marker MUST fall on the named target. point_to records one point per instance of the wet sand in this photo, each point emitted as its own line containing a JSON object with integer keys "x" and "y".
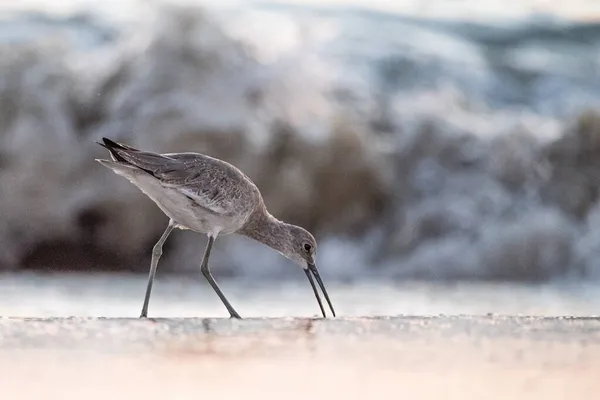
{"x": 488, "y": 357}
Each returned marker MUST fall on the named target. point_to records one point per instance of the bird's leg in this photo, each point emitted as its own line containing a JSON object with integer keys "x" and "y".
{"x": 206, "y": 272}
{"x": 156, "y": 253}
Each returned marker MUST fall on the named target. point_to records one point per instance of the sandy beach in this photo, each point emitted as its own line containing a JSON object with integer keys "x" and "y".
{"x": 488, "y": 357}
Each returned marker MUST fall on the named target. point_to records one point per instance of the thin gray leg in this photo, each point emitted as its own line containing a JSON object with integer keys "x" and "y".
{"x": 206, "y": 272}
{"x": 156, "y": 253}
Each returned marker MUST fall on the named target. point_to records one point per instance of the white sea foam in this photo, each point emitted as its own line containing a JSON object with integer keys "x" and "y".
{"x": 411, "y": 147}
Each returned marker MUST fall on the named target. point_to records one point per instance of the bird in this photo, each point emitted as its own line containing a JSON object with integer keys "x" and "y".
{"x": 212, "y": 197}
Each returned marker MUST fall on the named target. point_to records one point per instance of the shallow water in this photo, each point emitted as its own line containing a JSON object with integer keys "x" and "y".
{"x": 121, "y": 295}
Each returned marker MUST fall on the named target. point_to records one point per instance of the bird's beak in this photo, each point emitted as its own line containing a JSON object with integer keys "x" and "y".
{"x": 312, "y": 268}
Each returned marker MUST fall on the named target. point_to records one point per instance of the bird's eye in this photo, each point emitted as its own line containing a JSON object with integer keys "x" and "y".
{"x": 307, "y": 247}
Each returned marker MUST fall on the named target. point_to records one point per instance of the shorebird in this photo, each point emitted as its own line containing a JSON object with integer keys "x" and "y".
{"x": 210, "y": 196}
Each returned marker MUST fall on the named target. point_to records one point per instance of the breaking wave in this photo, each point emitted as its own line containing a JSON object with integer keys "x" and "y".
{"x": 412, "y": 148}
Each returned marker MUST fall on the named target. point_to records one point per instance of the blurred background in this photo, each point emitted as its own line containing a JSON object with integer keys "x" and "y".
{"x": 446, "y": 155}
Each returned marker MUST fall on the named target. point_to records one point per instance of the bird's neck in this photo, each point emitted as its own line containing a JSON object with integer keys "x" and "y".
{"x": 265, "y": 228}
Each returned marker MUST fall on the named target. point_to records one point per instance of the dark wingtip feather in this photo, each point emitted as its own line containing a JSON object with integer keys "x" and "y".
{"x": 110, "y": 143}
{"x": 112, "y": 147}
{"x": 102, "y": 144}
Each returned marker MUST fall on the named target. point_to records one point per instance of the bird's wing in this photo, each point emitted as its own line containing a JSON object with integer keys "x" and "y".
{"x": 208, "y": 187}
{"x": 209, "y": 182}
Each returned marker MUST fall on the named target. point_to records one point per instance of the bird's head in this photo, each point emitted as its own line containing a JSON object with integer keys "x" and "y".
{"x": 301, "y": 246}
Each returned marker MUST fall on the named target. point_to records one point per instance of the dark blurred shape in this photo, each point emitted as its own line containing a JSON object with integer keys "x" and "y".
{"x": 575, "y": 160}
{"x": 75, "y": 256}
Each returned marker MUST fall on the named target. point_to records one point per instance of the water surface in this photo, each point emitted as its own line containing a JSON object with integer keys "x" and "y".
{"x": 121, "y": 295}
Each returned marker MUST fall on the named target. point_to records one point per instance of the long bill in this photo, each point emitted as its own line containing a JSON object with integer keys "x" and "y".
{"x": 312, "y": 269}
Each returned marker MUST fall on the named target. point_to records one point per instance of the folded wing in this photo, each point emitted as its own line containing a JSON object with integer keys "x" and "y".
{"x": 197, "y": 176}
